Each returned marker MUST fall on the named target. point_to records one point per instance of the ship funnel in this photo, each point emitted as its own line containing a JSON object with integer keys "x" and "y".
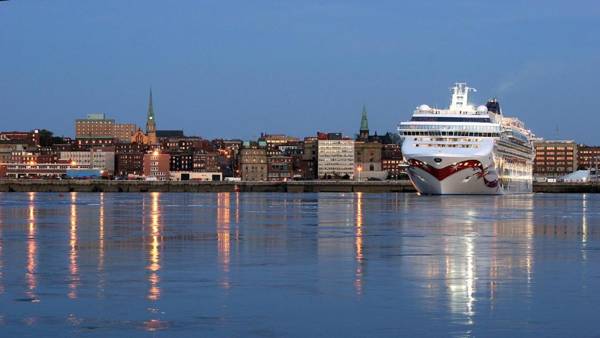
{"x": 493, "y": 106}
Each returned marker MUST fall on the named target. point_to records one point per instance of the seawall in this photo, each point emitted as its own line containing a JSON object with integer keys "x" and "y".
{"x": 197, "y": 186}
{"x": 13, "y": 185}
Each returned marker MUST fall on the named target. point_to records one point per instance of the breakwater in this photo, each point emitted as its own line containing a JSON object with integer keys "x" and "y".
{"x": 29, "y": 185}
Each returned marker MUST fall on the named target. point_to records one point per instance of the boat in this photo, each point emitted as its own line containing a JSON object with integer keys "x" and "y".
{"x": 466, "y": 149}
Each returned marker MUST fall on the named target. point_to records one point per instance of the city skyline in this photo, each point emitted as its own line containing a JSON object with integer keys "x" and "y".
{"x": 222, "y": 70}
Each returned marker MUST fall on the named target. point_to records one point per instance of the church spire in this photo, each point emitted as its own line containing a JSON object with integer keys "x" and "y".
{"x": 364, "y": 122}
{"x": 150, "y": 119}
{"x": 364, "y": 125}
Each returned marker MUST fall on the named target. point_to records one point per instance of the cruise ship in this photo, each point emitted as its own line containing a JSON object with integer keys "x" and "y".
{"x": 467, "y": 149}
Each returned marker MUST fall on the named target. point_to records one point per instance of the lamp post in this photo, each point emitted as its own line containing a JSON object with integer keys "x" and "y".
{"x": 359, "y": 169}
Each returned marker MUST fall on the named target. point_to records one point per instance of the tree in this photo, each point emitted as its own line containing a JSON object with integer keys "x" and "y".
{"x": 46, "y": 138}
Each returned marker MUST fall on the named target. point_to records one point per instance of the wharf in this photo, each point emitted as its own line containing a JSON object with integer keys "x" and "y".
{"x": 53, "y": 185}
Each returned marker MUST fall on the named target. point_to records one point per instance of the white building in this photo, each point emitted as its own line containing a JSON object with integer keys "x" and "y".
{"x": 92, "y": 159}
{"x": 195, "y": 176}
{"x": 335, "y": 158}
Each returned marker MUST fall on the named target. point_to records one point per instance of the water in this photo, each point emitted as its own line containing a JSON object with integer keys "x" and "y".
{"x": 297, "y": 265}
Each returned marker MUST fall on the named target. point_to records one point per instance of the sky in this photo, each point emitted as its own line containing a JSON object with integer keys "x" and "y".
{"x": 235, "y": 69}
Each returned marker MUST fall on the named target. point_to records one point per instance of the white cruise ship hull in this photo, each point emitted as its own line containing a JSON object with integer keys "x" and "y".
{"x": 443, "y": 175}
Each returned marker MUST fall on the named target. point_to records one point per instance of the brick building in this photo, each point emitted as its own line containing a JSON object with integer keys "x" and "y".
{"x": 554, "y": 158}
{"x": 588, "y": 157}
{"x": 156, "y": 165}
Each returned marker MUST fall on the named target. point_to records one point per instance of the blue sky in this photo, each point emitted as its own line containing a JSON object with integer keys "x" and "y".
{"x": 237, "y": 68}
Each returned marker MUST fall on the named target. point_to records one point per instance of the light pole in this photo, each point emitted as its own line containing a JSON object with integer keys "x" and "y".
{"x": 359, "y": 169}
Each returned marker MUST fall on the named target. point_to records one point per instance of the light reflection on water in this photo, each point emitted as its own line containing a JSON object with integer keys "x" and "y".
{"x": 231, "y": 264}
{"x": 31, "y": 250}
{"x": 73, "y": 249}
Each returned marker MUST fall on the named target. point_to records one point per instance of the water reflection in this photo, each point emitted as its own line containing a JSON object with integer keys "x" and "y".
{"x": 1, "y": 255}
{"x": 101, "y": 250}
{"x": 358, "y": 279}
{"x": 155, "y": 237}
{"x": 224, "y": 235}
{"x": 584, "y": 226}
{"x": 31, "y": 250}
{"x": 73, "y": 250}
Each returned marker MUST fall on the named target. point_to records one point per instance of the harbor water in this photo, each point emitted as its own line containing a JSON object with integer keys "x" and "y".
{"x": 299, "y": 265}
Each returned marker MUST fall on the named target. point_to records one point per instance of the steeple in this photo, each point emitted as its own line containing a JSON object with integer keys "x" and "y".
{"x": 151, "y": 123}
{"x": 364, "y": 125}
{"x": 364, "y": 122}
{"x": 150, "y": 118}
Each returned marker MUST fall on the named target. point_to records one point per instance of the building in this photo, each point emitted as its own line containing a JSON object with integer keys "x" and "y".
{"x": 156, "y": 165}
{"x": 7, "y": 148}
{"x": 33, "y": 157}
{"x": 308, "y": 164}
{"x": 37, "y": 170}
{"x": 274, "y": 141}
{"x": 206, "y": 161}
{"x": 367, "y": 153}
{"x": 31, "y": 138}
{"x": 554, "y": 158}
{"x": 97, "y": 126}
{"x": 367, "y": 157}
{"x": 181, "y": 161}
{"x": 335, "y": 156}
{"x": 169, "y": 134}
{"x": 392, "y": 161}
{"x": 129, "y": 159}
{"x": 91, "y": 159}
{"x": 253, "y": 164}
{"x": 588, "y": 157}
{"x": 124, "y": 131}
{"x": 279, "y": 168}
{"x": 93, "y": 142}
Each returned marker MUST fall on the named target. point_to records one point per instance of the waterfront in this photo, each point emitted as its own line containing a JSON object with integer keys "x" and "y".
{"x": 275, "y": 264}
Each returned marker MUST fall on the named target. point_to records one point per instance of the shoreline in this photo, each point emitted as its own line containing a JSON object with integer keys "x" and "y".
{"x": 44, "y": 185}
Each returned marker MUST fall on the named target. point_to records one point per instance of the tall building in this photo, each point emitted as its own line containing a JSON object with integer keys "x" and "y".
{"x": 554, "y": 158}
{"x": 97, "y": 126}
{"x": 335, "y": 156}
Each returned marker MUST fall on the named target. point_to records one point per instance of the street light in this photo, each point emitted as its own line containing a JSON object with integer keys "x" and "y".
{"x": 359, "y": 169}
